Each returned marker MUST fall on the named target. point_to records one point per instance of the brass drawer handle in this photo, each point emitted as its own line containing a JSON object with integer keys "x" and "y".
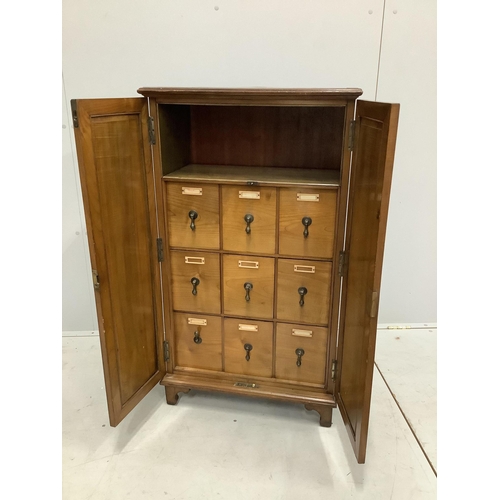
{"x": 248, "y": 348}
{"x": 247, "y": 286}
{"x": 249, "y": 195}
{"x": 248, "y": 264}
{"x": 194, "y": 260}
{"x": 197, "y": 321}
{"x": 192, "y": 191}
{"x": 248, "y": 219}
{"x": 307, "y": 197}
{"x": 302, "y": 333}
{"x": 195, "y": 282}
{"x": 306, "y": 221}
{"x": 299, "y": 352}
{"x": 302, "y": 291}
{"x": 197, "y": 339}
{"x": 193, "y": 215}
{"x": 304, "y": 269}
{"x": 248, "y": 328}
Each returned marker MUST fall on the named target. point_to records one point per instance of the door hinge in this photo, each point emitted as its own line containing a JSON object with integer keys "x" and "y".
{"x": 342, "y": 263}
{"x": 151, "y": 130}
{"x": 74, "y": 113}
{"x": 374, "y": 305}
{"x": 334, "y": 369}
{"x": 352, "y": 128}
{"x": 95, "y": 279}
{"x": 166, "y": 350}
{"x": 159, "y": 247}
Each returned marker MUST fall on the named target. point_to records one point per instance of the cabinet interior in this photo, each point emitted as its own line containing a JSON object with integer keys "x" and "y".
{"x": 304, "y": 142}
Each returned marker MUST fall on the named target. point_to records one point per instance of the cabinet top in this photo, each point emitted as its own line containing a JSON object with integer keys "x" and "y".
{"x": 269, "y": 96}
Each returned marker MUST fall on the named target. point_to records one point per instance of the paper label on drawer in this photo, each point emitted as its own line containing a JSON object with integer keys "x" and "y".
{"x": 302, "y": 333}
{"x": 197, "y": 321}
{"x": 249, "y": 264}
{"x": 194, "y": 260}
{"x": 250, "y": 195}
{"x": 248, "y": 328}
{"x": 304, "y": 269}
{"x": 192, "y": 191}
{"x": 307, "y": 197}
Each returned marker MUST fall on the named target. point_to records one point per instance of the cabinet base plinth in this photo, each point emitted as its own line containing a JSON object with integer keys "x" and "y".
{"x": 316, "y": 400}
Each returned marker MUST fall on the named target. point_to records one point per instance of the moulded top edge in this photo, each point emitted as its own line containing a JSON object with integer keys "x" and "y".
{"x": 248, "y": 93}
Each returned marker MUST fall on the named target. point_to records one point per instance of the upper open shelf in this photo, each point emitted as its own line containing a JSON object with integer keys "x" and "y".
{"x": 226, "y": 174}
{"x": 294, "y": 145}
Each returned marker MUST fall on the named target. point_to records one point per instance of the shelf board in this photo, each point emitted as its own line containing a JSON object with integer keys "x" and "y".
{"x": 268, "y": 176}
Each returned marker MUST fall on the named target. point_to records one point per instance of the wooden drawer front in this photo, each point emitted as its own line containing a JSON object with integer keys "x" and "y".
{"x": 314, "y": 277}
{"x": 248, "y": 339}
{"x": 298, "y": 205}
{"x": 188, "y": 266}
{"x": 312, "y": 340}
{"x": 242, "y": 204}
{"x": 203, "y": 201}
{"x": 198, "y": 341}
{"x": 259, "y": 273}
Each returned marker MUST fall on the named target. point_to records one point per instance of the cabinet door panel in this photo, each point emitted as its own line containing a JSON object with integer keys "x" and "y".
{"x": 249, "y": 219}
{"x": 375, "y": 136}
{"x": 118, "y": 193}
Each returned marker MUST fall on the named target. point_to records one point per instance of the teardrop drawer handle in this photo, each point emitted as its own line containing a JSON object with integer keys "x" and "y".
{"x": 247, "y": 286}
{"x": 193, "y": 215}
{"x": 195, "y": 282}
{"x": 299, "y": 352}
{"x": 197, "y": 339}
{"x": 302, "y": 291}
{"x": 248, "y": 348}
{"x": 248, "y": 219}
{"x": 306, "y": 221}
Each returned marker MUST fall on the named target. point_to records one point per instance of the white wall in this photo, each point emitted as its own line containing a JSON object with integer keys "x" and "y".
{"x": 113, "y": 47}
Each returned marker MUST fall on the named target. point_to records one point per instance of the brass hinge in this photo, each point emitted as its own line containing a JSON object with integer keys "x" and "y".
{"x": 151, "y": 130}
{"x": 166, "y": 350}
{"x": 352, "y": 128}
{"x": 95, "y": 279}
{"x": 342, "y": 263}
{"x": 74, "y": 113}
{"x": 334, "y": 369}
{"x": 159, "y": 248}
{"x": 374, "y": 305}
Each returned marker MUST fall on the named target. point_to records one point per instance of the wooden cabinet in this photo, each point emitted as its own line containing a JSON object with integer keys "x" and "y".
{"x": 236, "y": 240}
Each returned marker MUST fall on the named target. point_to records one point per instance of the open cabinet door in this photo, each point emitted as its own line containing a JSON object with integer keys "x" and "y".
{"x": 116, "y": 173}
{"x": 371, "y": 173}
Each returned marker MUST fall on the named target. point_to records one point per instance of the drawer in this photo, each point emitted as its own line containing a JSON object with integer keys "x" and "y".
{"x": 248, "y": 347}
{"x": 198, "y": 341}
{"x": 193, "y": 215}
{"x": 301, "y": 345}
{"x": 249, "y": 219}
{"x": 195, "y": 281}
{"x": 304, "y": 291}
{"x": 248, "y": 286}
{"x": 307, "y": 222}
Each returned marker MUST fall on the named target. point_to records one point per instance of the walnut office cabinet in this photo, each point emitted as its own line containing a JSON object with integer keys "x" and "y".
{"x": 236, "y": 239}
